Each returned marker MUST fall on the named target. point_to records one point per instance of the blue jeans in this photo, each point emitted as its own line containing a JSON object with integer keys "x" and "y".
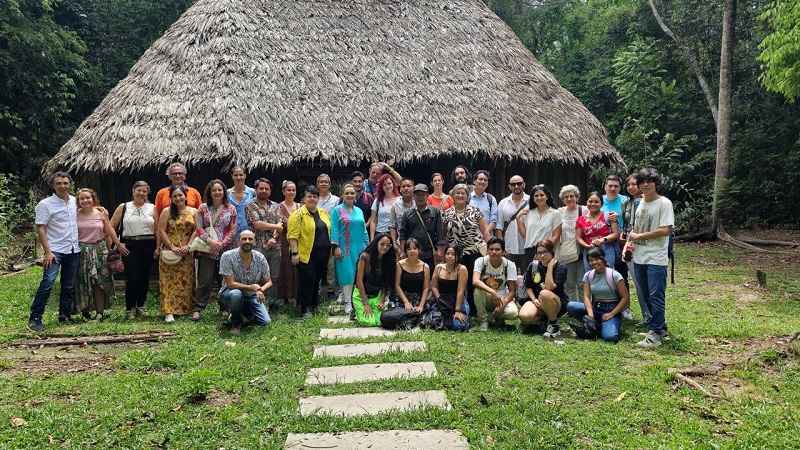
{"x": 240, "y": 305}
{"x": 68, "y": 263}
{"x": 610, "y": 249}
{"x": 653, "y": 283}
{"x": 459, "y": 325}
{"x": 609, "y": 330}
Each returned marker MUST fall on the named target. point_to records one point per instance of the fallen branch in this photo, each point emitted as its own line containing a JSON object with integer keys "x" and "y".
{"x": 751, "y": 240}
{"x": 114, "y": 338}
{"x": 711, "y": 369}
{"x": 744, "y": 245}
{"x": 691, "y": 383}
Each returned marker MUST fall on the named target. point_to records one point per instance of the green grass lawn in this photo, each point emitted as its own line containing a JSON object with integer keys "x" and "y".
{"x": 508, "y": 389}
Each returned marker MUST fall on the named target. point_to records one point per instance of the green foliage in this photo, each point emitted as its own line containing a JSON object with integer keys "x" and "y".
{"x": 16, "y": 219}
{"x": 781, "y": 49}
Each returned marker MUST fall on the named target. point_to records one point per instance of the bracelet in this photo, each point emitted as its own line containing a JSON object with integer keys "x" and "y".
{"x": 391, "y": 170}
{"x": 293, "y": 253}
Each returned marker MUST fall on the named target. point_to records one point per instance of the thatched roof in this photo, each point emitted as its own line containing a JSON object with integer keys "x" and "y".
{"x": 271, "y": 83}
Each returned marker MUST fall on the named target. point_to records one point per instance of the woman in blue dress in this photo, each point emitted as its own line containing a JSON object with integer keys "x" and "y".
{"x": 349, "y": 237}
{"x": 240, "y": 195}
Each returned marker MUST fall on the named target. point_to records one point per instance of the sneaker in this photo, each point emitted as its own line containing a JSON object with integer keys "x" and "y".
{"x": 348, "y": 308}
{"x": 66, "y": 319}
{"x": 235, "y": 330}
{"x": 552, "y": 330}
{"x": 664, "y": 335}
{"x": 35, "y": 325}
{"x": 627, "y": 314}
{"x": 169, "y": 318}
{"x": 352, "y": 314}
{"x": 141, "y": 312}
{"x": 130, "y": 314}
{"x": 643, "y": 323}
{"x": 484, "y": 325}
{"x": 308, "y": 315}
{"x": 651, "y": 339}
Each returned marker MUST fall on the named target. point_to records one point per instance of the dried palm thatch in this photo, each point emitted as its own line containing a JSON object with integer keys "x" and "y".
{"x": 271, "y": 83}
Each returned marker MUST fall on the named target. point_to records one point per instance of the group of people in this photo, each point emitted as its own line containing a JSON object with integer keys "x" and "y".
{"x": 395, "y": 251}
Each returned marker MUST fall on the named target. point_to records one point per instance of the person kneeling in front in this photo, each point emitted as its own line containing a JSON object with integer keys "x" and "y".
{"x": 546, "y": 298}
{"x": 495, "y": 281}
{"x": 245, "y": 279}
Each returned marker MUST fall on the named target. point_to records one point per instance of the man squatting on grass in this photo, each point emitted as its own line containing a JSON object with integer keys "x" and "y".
{"x": 57, "y": 227}
{"x": 245, "y": 280}
{"x": 495, "y": 281}
{"x": 649, "y": 242}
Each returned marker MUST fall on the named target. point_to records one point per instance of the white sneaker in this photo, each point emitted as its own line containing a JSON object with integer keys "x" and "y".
{"x": 553, "y": 330}
{"x": 627, "y": 314}
{"x": 169, "y": 318}
{"x": 484, "y": 325}
{"x": 348, "y": 307}
{"x": 664, "y": 335}
{"x": 651, "y": 339}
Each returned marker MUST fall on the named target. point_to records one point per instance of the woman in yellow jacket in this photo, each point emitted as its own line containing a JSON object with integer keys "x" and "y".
{"x": 309, "y": 235}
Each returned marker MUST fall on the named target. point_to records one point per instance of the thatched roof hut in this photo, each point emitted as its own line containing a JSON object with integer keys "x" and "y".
{"x": 271, "y": 83}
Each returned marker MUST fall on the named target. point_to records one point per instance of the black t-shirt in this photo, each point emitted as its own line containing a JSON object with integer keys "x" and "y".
{"x": 322, "y": 240}
{"x": 536, "y": 274}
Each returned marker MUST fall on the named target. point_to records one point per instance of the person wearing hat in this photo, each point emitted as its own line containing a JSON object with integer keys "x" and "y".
{"x": 424, "y": 224}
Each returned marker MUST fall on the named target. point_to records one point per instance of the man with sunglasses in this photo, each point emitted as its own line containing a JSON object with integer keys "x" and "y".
{"x": 507, "y": 210}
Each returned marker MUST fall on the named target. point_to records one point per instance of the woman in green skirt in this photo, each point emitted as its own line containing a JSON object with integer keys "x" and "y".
{"x": 374, "y": 280}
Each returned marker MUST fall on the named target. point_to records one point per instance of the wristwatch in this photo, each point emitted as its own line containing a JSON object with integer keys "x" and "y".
{"x": 293, "y": 253}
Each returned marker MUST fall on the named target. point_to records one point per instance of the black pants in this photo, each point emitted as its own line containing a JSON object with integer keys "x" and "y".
{"x": 469, "y": 262}
{"x": 310, "y": 275}
{"x": 138, "y": 265}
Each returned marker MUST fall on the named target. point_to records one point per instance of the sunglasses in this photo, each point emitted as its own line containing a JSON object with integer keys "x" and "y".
{"x": 517, "y": 184}
{"x": 385, "y": 244}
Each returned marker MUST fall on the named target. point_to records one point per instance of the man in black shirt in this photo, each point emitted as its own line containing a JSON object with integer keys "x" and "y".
{"x": 424, "y": 224}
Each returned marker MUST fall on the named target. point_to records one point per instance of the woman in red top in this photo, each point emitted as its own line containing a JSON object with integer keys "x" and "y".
{"x": 596, "y": 229}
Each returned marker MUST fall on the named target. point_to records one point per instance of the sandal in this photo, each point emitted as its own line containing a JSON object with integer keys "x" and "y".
{"x": 140, "y": 311}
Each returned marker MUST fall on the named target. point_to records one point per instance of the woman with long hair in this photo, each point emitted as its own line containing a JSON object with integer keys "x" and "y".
{"x": 449, "y": 287}
{"x": 287, "y": 284}
{"x": 349, "y": 238}
{"x": 309, "y": 234}
{"x": 215, "y": 214}
{"x": 240, "y": 195}
{"x": 375, "y": 275}
{"x": 569, "y": 252}
{"x": 604, "y": 296}
{"x": 595, "y": 229}
{"x": 411, "y": 282}
{"x": 94, "y": 290}
{"x": 177, "y": 228}
{"x": 382, "y": 206}
{"x": 466, "y": 226}
{"x": 439, "y": 198}
{"x": 541, "y": 220}
{"x": 137, "y": 221}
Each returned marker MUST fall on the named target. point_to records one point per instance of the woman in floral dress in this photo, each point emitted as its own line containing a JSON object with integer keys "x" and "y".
{"x": 177, "y": 228}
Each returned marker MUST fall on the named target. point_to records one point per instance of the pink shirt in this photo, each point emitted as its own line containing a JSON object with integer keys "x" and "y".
{"x": 91, "y": 229}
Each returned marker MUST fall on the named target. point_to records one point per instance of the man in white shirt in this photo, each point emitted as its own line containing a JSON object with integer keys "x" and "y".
{"x": 507, "y": 212}
{"x": 57, "y": 228}
{"x": 495, "y": 281}
{"x": 649, "y": 241}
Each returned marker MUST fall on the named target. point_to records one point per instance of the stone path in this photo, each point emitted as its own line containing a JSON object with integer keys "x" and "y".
{"x": 372, "y": 403}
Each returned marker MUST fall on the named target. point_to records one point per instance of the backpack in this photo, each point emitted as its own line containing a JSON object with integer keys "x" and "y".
{"x": 486, "y": 261}
{"x": 609, "y": 279}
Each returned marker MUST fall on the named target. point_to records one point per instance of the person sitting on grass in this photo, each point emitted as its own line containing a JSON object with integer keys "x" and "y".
{"x": 374, "y": 280}
{"x": 604, "y": 297}
{"x": 495, "y": 281}
{"x": 450, "y": 309}
{"x": 245, "y": 279}
{"x": 544, "y": 287}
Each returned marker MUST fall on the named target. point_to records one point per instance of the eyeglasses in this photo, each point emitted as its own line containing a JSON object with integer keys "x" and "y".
{"x": 517, "y": 184}
{"x": 178, "y": 174}
{"x": 385, "y": 244}
{"x": 542, "y": 253}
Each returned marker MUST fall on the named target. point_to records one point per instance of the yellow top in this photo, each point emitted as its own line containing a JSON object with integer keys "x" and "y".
{"x": 301, "y": 227}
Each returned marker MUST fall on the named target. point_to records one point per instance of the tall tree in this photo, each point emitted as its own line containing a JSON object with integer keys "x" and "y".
{"x": 723, "y": 166}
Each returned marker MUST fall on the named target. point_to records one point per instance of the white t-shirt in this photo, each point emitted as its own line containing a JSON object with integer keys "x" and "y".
{"x": 515, "y": 244}
{"x": 383, "y": 210}
{"x": 537, "y": 229}
{"x": 328, "y": 203}
{"x": 494, "y": 277}
{"x": 650, "y": 216}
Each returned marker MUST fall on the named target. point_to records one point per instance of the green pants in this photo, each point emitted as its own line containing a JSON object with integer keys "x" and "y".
{"x": 358, "y": 304}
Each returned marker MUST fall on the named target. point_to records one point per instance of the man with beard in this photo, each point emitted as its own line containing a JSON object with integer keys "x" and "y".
{"x": 264, "y": 218}
{"x": 508, "y": 210}
{"x": 398, "y": 209}
{"x": 462, "y": 176}
{"x": 245, "y": 279}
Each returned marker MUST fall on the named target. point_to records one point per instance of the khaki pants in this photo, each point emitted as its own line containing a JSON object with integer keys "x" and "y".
{"x": 486, "y": 304}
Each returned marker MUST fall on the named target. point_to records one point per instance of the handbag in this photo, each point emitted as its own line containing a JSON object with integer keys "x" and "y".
{"x": 480, "y": 245}
{"x": 199, "y": 245}
{"x": 114, "y": 261}
{"x": 567, "y": 251}
{"x": 169, "y": 257}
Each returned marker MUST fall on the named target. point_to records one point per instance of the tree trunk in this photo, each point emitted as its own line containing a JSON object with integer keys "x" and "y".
{"x": 723, "y": 167}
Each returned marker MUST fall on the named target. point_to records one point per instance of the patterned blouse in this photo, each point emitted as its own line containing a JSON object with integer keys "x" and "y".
{"x": 464, "y": 228}
{"x": 225, "y": 226}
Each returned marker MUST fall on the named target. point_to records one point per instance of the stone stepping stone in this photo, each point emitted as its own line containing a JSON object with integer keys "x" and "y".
{"x": 349, "y": 350}
{"x": 370, "y": 372}
{"x": 380, "y": 440}
{"x": 340, "y": 319}
{"x": 362, "y": 404}
{"x": 361, "y": 332}
{"x": 337, "y": 308}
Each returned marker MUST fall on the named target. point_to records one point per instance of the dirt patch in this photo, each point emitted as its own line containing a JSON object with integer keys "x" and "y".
{"x": 220, "y": 399}
{"x": 54, "y": 361}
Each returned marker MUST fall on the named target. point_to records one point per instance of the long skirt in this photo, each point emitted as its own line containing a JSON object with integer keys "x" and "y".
{"x": 93, "y": 270}
{"x": 287, "y": 283}
{"x": 358, "y": 304}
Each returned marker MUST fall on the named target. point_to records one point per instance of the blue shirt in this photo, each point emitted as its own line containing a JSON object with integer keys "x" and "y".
{"x": 615, "y": 206}
{"x": 241, "y": 222}
{"x": 487, "y": 204}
